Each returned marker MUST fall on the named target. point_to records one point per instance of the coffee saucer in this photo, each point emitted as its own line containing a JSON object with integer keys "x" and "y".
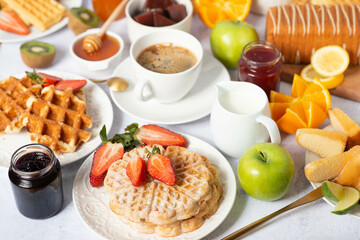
{"x": 195, "y": 105}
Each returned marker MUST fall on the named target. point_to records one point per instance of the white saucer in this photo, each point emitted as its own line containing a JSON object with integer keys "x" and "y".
{"x": 195, "y": 105}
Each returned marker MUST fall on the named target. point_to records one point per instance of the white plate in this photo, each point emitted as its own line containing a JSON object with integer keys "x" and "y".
{"x": 98, "y": 107}
{"x": 310, "y": 157}
{"x": 195, "y": 105}
{"x": 34, "y": 32}
{"x": 93, "y": 203}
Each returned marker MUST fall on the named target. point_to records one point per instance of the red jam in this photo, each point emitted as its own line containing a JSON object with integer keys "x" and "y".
{"x": 35, "y": 176}
{"x": 260, "y": 63}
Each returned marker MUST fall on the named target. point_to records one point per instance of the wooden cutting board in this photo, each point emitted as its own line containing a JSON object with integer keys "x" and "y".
{"x": 350, "y": 87}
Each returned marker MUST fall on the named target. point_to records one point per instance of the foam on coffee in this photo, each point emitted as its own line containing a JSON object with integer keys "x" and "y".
{"x": 166, "y": 58}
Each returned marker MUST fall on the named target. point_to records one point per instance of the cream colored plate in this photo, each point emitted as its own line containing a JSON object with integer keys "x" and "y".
{"x": 310, "y": 157}
{"x": 98, "y": 107}
{"x": 92, "y": 203}
{"x": 35, "y": 33}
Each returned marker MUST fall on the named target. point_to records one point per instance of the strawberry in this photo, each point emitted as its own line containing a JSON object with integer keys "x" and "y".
{"x": 73, "y": 84}
{"x": 160, "y": 167}
{"x": 153, "y": 134}
{"x": 48, "y": 80}
{"x": 103, "y": 158}
{"x": 136, "y": 171}
{"x": 10, "y": 22}
{"x": 97, "y": 181}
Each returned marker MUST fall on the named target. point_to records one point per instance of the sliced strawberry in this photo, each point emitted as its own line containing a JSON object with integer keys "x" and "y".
{"x": 48, "y": 80}
{"x": 153, "y": 134}
{"x": 136, "y": 171}
{"x": 104, "y": 157}
{"x": 97, "y": 181}
{"x": 160, "y": 167}
{"x": 10, "y": 22}
{"x": 73, "y": 84}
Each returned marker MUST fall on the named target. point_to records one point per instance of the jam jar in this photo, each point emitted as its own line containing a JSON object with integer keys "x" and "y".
{"x": 260, "y": 63}
{"x": 35, "y": 176}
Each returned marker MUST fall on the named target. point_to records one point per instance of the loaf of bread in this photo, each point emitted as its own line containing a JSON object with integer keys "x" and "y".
{"x": 324, "y": 143}
{"x": 298, "y": 30}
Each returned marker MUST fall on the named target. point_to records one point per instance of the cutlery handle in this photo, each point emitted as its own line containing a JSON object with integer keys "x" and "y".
{"x": 312, "y": 196}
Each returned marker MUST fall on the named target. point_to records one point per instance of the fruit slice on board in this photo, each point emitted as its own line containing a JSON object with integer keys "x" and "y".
{"x": 330, "y": 60}
{"x": 348, "y": 201}
{"x": 308, "y": 74}
{"x": 212, "y": 12}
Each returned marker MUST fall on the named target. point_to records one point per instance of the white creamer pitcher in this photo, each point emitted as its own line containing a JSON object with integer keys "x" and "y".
{"x": 240, "y": 118}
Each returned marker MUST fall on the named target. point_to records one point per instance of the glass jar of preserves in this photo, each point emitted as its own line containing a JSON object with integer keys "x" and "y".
{"x": 35, "y": 176}
{"x": 260, "y": 63}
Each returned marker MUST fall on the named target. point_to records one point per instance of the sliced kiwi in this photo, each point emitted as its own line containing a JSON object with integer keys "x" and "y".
{"x": 36, "y": 54}
{"x": 82, "y": 19}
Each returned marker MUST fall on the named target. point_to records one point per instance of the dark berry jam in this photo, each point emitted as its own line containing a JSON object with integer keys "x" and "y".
{"x": 32, "y": 162}
{"x": 35, "y": 176}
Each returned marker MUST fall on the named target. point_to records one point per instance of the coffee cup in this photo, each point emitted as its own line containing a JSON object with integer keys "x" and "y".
{"x": 159, "y": 76}
{"x": 241, "y": 117}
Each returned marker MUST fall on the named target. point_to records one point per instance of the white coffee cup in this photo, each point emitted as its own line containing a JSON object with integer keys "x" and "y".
{"x": 241, "y": 117}
{"x": 165, "y": 87}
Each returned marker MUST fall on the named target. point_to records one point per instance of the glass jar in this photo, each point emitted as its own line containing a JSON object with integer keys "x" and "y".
{"x": 35, "y": 176}
{"x": 260, "y": 63}
{"x": 104, "y": 8}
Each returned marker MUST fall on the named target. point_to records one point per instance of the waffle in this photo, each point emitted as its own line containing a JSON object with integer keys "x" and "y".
{"x": 158, "y": 208}
{"x": 40, "y": 13}
{"x": 54, "y": 118}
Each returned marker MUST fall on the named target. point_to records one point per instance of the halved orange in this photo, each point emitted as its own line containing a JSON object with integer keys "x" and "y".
{"x": 321, "y": 98}
{"x": 290, "y": 122}
{"x": 214, "y": 11}
{"x": 315, "y": 115}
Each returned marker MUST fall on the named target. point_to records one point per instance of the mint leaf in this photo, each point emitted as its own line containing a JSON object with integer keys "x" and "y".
{"x": 103, "y": 135}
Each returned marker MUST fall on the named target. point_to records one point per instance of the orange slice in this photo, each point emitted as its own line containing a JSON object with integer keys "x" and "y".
{"x": 290, "y": 122}
{"x": 280, "y": 97}
{"x": 212, "y": 12}
{"x": 307, "y": 106}
{"x": 298, "y": 87}
{"x": 315, "y": 115}
{"x": 278, "y": 109}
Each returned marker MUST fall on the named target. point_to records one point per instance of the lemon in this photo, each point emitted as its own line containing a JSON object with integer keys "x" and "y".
{"x": 309, "y": 74}
{"x": 348, "y": 201}
{"x": 330, "y": 60}
{"x": 332, "y": 191}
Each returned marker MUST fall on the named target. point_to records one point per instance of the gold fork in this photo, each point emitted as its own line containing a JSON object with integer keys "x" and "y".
{"x": 310, "y": 197}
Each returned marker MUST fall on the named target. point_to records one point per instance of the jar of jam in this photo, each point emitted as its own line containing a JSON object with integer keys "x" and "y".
{"x": 260, "y": 63}
{"x": 35, "y": 176}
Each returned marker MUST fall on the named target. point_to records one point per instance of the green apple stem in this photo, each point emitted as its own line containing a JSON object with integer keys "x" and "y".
{"x": 263, "y": 157}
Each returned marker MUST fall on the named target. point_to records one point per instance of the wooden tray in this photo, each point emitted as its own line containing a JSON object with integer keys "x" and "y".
{"x": 350, "y": 87}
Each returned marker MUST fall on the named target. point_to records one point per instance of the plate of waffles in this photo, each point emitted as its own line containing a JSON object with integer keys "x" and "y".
{"x": 195, "y": 105}
{"x": 50, "y": 17}
{"x": 67, "y": 122}
{"x": 196, "y": 205}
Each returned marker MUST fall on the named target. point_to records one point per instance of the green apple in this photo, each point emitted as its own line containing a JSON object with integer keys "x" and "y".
{"x": 266, "y": 171}
{"x": 228, "y": 38}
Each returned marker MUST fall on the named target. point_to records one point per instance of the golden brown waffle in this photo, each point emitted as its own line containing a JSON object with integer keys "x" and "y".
{"x": 40, "y": 13}
{"x": 54, "y": 118}
{"x": 158, "y": 208}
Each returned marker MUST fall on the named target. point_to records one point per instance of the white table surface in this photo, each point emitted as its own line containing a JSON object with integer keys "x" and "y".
{"x": 312, "y": 221}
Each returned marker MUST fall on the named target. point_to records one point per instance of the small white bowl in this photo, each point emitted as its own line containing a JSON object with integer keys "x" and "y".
{"x": 136, "y": 30}
{"x": 96, "y": 65}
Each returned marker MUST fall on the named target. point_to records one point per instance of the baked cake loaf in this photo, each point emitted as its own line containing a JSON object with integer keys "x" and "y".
{"x": 156, "y": 207}
{"x": 298, "y": 30}
{"x": 322, "y": 142}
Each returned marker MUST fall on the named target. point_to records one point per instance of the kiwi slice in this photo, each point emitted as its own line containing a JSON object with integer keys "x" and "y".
{"x": 36, "y": 54}
{"x": 82, "y": 19}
